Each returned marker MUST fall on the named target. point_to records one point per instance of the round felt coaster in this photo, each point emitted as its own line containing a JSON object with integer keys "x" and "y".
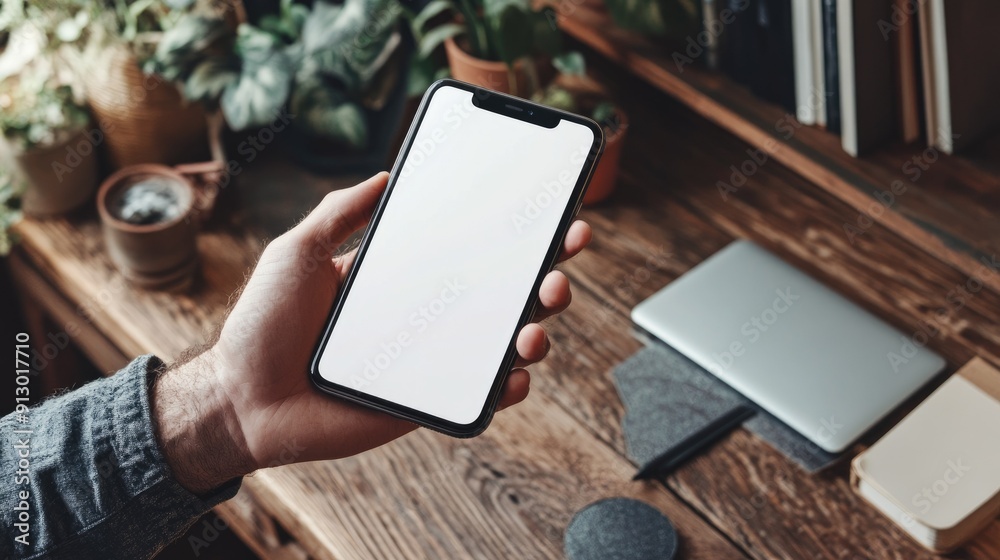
{"x": 620, "y": 529}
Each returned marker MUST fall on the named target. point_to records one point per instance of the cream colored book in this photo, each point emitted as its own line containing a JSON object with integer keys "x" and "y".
{"x": 937, "y": 473}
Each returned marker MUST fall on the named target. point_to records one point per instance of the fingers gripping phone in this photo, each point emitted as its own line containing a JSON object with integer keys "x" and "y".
{"x": 478, "y": 203}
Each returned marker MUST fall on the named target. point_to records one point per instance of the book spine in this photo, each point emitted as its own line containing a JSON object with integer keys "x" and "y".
{"x": 805, "y": 108}
{"x": 739, "y": 52}
{"x": 831, "y": 66}
{"x": 817, "y": 94}
{"x": 711, "y": 23}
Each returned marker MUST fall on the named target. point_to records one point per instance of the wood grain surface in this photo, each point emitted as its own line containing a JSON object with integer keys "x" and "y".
{"x": 511, "y": 492}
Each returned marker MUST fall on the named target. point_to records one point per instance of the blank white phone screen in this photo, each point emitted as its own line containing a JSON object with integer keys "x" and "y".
{"x": 454, "y": 257}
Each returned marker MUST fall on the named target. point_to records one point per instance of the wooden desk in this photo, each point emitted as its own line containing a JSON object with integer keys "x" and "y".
{"x": 511, "y": 492}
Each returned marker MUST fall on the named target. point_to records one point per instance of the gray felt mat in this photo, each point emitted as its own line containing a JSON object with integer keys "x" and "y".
{"x": 620, "y": 529}
{"x": 667, "y": 397}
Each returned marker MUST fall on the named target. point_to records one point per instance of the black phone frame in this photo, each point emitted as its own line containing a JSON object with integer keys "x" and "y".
{"x": 513, "y": 107}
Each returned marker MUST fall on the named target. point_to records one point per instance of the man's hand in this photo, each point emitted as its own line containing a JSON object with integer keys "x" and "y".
{"x": 247, "y": 402}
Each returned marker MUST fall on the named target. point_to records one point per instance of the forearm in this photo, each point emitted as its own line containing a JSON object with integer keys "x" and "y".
{"x": 196, "y": 427}
{"x": 98, "y": 484}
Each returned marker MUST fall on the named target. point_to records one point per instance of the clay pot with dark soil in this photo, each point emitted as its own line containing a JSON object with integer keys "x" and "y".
{"x": 61, "y": 177}
{"x": 489, "y": 74}
{"x": 150, "y": 216}
{"x": 602, "y": 184}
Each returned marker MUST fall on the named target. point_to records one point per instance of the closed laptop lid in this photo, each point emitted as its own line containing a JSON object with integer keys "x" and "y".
{"x": 821, "y": 364}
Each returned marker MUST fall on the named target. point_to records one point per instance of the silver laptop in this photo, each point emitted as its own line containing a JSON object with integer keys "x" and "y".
{"x": 807, "y": 355}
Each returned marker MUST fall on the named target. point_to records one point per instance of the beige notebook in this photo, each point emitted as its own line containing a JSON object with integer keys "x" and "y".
{"x": 937, "y": 473}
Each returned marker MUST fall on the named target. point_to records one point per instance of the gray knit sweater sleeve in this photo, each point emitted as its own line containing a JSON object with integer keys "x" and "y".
{"x": 81, "y": 475}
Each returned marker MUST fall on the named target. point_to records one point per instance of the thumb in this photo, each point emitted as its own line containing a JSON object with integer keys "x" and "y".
{"x": 340, "y": 214}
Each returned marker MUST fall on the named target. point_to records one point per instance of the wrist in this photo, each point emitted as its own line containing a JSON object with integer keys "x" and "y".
{"x": 196, "y": 427}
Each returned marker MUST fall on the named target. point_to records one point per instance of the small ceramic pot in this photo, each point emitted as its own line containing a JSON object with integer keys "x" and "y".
{"x": 60, "y": 177}
{"x": 489, "y": 74}
{"x": 602, "y": 184}
{"x": 161, "y": 255}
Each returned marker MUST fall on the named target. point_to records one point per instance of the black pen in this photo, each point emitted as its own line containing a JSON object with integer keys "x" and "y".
{"x": 675, "y": 456}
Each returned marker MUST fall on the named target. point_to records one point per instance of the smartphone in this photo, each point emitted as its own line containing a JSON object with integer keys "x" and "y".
{"x": 475, "y": 213}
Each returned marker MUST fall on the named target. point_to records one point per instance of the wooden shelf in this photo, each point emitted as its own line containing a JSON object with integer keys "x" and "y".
{"x": 952, "y": 210}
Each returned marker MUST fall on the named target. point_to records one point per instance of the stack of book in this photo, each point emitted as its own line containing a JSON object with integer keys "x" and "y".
{"x": 872, "y": 71}
{"x": 937, "y": 473}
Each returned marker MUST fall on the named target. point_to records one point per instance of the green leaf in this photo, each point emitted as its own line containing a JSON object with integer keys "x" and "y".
{"x": 70, "y": 29}
{"x": 328, "y": 113}
{"x": 184, "y": 45}
{"x": 298, "y": 14}
{"x": 496, "y": 7}
{"x": 513, "y": 32}
{"x": 263, "y": 85}
{"x": 253, "y": 41}
{"x": 547, "y": 38}
{"x": 433, "y": 39}
{"x": 423, "y": 73}
{"x": 275, "y": 25}
{"x": 210, "y": 78}
{"x": 478, "y": 33}
{"x": 604, "y": 113}
{"x": 349, "y": 43}
{"x": 254, "y": 100}
{"x": 672, "y": 18}
{"x": 559, "y": 98}
{"x": 430, "y": 11}
{"x": 571, "y": 63}
{"x": 132, "y": 14}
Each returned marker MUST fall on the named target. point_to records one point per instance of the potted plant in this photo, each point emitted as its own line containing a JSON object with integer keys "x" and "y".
{"x": 675, "y": 19}
{"x": 333, "y": 68}
{"x": 150, "y": 215}
{"x": 152, "y": 122}
{"x": 144, "y": 119}
{"x": 45, "y": 130}
{"x": 10, "y": 211}
{"x": 489, "y": 43}
{"x": 573, "y": 91}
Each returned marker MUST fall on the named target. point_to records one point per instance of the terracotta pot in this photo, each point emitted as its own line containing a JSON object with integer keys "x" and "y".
{"x": 602, "y": 184}
{"x": 161, "y": 255}
{"x": 60, "y": 177}
{"x": 489, "y": 74}
{"x": 144, "y": 118}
